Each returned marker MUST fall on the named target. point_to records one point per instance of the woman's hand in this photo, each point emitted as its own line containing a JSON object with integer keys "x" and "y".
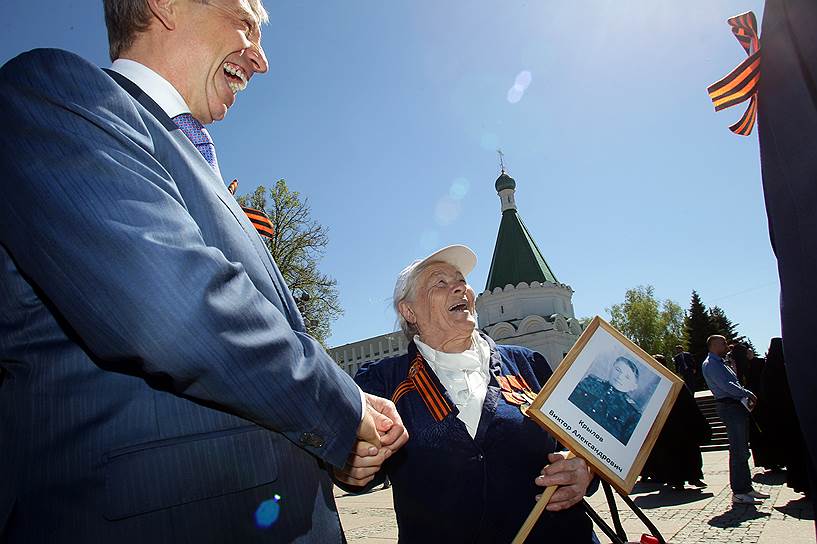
{"x": 571, "y": 475}
{"x": 381, "y": 434}
{"x": 362, "y": 465}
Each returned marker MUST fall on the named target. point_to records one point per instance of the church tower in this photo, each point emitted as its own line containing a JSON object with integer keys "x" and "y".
{"x": 523, "y": 302}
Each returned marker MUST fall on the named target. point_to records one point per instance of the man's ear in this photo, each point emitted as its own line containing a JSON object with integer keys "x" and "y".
{"x": 406, "y": 311}
{"x": 165, "y": 11}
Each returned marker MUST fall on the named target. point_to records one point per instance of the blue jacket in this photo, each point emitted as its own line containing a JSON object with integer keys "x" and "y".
{"x": 451, "y": 488}
{"x": 159, "y": 384}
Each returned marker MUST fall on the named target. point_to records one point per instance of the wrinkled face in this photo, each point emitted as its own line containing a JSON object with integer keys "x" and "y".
{"x": 223, "y": 42}
{"x": 622, "y": 377}
{"x": 443, "y": 305}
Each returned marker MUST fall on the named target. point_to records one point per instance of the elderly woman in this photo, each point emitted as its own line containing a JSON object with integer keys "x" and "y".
{"x": 474, "y": 463}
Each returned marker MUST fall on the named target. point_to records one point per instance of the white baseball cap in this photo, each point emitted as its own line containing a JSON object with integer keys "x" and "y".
{"x": 459, "y": 256}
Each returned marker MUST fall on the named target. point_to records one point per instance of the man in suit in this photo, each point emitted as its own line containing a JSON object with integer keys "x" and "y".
{"x": 158, "y": 382}
{"x": 787, "y": 124}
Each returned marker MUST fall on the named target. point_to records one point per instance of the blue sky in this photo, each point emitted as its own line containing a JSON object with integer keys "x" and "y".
{"x": 387, "y": 114}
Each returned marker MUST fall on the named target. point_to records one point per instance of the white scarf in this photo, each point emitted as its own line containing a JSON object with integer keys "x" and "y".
{"x": 464, "y": 375}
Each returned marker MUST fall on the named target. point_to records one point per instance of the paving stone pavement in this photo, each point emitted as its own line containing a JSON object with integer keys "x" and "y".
{"x": 684, "y": 517}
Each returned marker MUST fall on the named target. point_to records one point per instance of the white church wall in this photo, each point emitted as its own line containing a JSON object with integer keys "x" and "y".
{"x": 552, "y": 344}
{"x": 517, "y": 302}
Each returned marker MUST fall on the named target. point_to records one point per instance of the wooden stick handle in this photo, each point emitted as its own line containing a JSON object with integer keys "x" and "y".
{"x": 536, "y": 513}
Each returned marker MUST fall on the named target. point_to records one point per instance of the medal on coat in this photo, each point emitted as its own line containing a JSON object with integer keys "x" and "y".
{"x": 516, "y": 391}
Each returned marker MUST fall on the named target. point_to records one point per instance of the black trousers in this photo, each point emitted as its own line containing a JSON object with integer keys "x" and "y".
{"x": 787, "y": 128}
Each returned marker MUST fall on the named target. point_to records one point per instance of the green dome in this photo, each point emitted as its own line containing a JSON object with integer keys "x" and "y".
{"x": 504, "y": 181}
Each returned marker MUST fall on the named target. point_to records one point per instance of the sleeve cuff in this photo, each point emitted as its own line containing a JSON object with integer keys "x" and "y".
{"x": 362, "y": 404}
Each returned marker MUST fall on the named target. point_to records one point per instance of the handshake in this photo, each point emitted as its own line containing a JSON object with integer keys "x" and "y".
{"x": 380, "y": 435}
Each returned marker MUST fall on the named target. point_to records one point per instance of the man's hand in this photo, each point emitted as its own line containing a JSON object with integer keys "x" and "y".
{"x": 571, "y": 475}
{"x": 381, "y": 433}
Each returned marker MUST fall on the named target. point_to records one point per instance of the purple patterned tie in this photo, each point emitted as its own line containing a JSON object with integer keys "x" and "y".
{"x": 197, "y": 134}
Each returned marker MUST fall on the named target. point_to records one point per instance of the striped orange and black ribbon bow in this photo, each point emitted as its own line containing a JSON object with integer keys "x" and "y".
{"x": 741, "y": 83}
{"x": 258, "y": 218}
{"x": 420, "y": 380}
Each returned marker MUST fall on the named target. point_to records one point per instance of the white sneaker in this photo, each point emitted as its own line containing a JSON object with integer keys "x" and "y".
{"x": 758, "y": 494}
{"x": 744, "y": 498}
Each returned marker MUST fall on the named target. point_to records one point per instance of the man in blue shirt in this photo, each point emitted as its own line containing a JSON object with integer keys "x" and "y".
{"x": 733, "y": 403}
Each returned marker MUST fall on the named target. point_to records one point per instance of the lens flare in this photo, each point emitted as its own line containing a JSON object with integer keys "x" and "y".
{"x": 515, "y": 94}
{"x": 459, "y": 188}
{"x": 267, "y": 513}
{"x": 520, "y": 85}
{"x": 523, "y": 79}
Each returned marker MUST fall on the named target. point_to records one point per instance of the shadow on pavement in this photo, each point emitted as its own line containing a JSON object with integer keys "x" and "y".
{"x": 800, "y": 509}
{"x": 669, "y": 497}
{"x": 737, "y": 515}
{"x": 770, "y": 477}
{"x": 646, "y": 486}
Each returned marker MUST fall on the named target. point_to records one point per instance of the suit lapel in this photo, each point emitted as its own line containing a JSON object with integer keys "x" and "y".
{"x": 217, "y": 184}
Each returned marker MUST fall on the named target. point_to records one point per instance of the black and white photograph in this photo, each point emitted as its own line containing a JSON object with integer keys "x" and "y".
{"x": 614, "y": 392}
{"x": 607, "y": 401}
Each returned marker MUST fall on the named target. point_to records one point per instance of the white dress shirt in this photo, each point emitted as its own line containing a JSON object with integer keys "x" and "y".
{"x": 152, "y": 84}
{"x": 168, "y": 98}
{"x": 464, "y": 375}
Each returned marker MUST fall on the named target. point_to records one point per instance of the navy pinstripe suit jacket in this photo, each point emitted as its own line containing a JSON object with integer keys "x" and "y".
{"x": 158, "y": 382}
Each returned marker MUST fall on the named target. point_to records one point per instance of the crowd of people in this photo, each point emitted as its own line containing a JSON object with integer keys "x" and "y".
{"x": 765, "y": 425}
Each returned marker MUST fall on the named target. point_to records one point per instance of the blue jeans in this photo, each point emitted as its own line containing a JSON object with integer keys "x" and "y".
{"x": 736, "y": 419}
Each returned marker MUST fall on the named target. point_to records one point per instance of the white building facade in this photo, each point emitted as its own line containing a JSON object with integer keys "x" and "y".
{"x": 352, "y": 356}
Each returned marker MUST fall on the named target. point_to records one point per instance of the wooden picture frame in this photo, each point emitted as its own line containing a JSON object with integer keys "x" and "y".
{"x": 600, "y": 417}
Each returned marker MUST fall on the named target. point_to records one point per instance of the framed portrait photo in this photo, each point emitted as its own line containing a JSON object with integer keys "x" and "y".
{"x": 606, "y": 402}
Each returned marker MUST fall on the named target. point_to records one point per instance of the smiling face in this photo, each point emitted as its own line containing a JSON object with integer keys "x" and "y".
{"x": 622, "y": 377}
{"x": 442, "y": 307}
{"x": 222, "y": 45}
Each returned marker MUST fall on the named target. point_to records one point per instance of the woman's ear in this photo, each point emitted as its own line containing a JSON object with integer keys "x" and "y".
{"x": 406, "y": 311}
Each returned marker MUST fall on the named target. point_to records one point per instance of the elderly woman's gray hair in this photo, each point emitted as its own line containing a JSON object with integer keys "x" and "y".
{"x": 405, "y": 289}
{"x": 126, "y": 18}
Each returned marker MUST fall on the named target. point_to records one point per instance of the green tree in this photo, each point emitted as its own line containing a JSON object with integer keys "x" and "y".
{"x": 656, "y": 326}
{"x": 297, "y": 244}
{"x": 701, "y": 323}
{"x": 723, "y": 325}
{"x": 697, "y": 328}
{"x": 672, "y": 324}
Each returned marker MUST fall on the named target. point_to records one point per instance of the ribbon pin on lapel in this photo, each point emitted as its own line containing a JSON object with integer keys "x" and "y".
{"x": 741, "y": 83}
{"x": 419, "y": 380}
{"x": 258, "y": 218}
